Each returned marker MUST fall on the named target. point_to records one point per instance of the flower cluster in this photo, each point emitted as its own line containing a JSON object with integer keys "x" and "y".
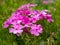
{"x": 25, "y": 19}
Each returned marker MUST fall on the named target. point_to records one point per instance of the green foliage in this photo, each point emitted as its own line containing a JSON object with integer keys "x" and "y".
{"x": 51, "y": 34}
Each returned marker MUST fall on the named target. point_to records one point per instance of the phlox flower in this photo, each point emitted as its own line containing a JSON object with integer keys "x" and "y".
{"x": 36, "y": 29}
{"x": 14, "y": 31}
{"x": 25, "y": 20}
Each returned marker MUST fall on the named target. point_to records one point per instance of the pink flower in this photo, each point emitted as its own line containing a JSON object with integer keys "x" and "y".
{"x": 36, "y": 29}
{"x": 17, "y": 26}
{"x": 25, "y": 20}
{"x": 48, "y": 17}
{"x": 44, "y": 14}
{"x": 45, "y": 2}
{"x": 34, "y": 32}
{"x": 27, "y": 6}
{"x": 6, "y": 23}
{"x": 14, "y": 31}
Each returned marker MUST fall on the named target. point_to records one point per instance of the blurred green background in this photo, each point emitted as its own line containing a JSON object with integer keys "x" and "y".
{"x": 9, "y": 6}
